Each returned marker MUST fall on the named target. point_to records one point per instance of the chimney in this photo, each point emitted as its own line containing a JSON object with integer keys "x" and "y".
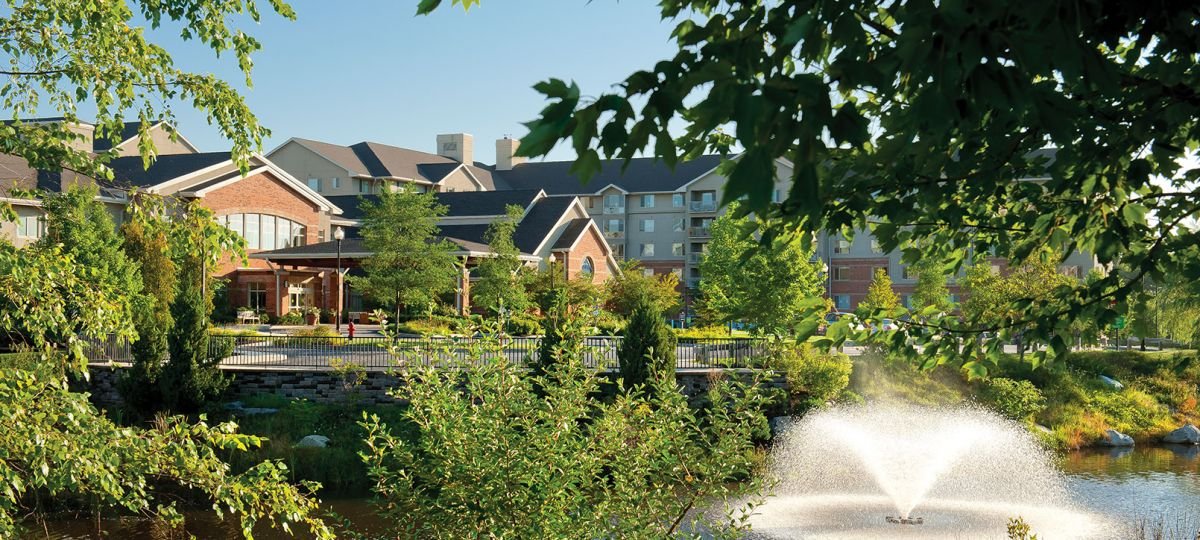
{"x": 457, "y": 146}
{"x": 505, "y": 150}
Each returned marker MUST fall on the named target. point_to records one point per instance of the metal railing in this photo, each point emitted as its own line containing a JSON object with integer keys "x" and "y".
{"x": 699, "y": 232}
{"x": 380, "y": 353}
{"x": 614, "y": 209}
{"x": 703, "y": 206}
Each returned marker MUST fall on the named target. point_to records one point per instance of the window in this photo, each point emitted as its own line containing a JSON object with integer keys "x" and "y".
{"x": 314, "y": 184}
{"x": 677, "y": 249}
{"x": 251, "y": 234}
{"x": 875, "y": 247}
{"x": 648, "y": 272}
{"x": 841, "y": 273}
{"x": 264, "y": 231}
{"x": 907, "y": 272}
{"x": 777, "y": 196}
{"x": 841, "y": 302}
{"x": 256, "y": 296}
{"x": 842, "y": 245}
{"x": 954, "y": 299}
{"x": 31, "y": 226}
{"x": 268, "y": 232}
{"x": 613, "y": 200}
{"x": 647, "y": 250}
{"x": 587, "y": 267}
{"x": 235, "y": 224}
{"x": 321, "y": 235}
{"x": 678, "y": 227}
{"x": 364, "y": 185}
{"x": 677, "y": 200}
{"x": 648, "y": 225}
{"x": 708, "y": 197}
{"x": 647, "y": 201}
{"x": 677, "y": 272}
{"x": 615, "y": 225}
{"x": 906, "y": 301}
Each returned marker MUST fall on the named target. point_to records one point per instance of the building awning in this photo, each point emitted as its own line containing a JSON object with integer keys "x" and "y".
{"x": 325, "y": 254}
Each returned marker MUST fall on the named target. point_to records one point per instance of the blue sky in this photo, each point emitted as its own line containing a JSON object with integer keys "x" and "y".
{"x": 348, "y": 71}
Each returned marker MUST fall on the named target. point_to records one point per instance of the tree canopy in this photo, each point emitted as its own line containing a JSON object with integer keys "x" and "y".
{"x": 409, "y": 265}
{"x": 880, "y": 295}
{"x": 920, "y": 120}
{"x": 625, "y": 291}
{"x": 773, "y": 283}
{"x": 501, "y": 283}
{"x": 67, "y": 54}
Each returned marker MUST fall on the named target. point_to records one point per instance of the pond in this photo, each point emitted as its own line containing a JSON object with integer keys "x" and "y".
{"x": 1156, "y": 485}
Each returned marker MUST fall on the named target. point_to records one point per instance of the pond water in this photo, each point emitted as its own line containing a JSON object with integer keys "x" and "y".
{"x": 1158, "y": 486}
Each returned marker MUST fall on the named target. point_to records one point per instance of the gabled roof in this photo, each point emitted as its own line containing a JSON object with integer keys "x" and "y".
{"x": 129, "y": 171}
{"x": 379, "y": 160}
{"x": 128, "y": 131}
{"x": 643, "y": 174}
{"x": 575, "y": 229}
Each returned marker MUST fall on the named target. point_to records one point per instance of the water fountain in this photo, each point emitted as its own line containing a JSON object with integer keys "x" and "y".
{"x": 898, "y": 471}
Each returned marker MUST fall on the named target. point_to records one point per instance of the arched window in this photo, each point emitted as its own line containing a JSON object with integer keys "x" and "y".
{"x": 264, "y": 231}
{"x": 587, "y": 267}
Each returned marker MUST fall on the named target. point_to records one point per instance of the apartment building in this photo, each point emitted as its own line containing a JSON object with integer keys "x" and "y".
{"x": 289, "y": 225}
{"x": 646, "y": 211}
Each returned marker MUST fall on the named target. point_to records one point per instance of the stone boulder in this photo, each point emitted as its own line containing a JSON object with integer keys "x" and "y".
{"x": 313, "y": 441}
{"x": 1188, "y": 434}
{"x": 1113, "y": 437}
{"x": 1111, "y": 383}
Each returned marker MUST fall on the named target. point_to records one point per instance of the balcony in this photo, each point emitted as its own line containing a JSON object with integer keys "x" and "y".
{"x": 694, "y": 258}
{"x": 614, "y": 209}
{"x": 699, "y": 232}
{"x": 614, "y": 234}
{"x": 703, "y": 206}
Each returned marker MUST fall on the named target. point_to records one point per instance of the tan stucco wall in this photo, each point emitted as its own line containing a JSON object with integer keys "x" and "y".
{"x": 302, "y": 163}
{"x": 458, "y": 181}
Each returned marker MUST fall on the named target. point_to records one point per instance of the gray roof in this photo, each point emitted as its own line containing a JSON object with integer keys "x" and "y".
{"x": 128, "y": 171}
{"x": 383, "y": 160}
{"x": 458, "y": 203}
{"x": 574, "y": 230}
{"x": 642, "y": 174}
{"x": 352, "y": 246}
{"x": 128, "y": 131}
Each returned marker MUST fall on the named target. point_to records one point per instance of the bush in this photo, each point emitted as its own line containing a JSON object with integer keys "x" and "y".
{"x": 317, "y": 335}
{"x": 610, "y": 324}
{"x": 1018, "y": 400}
{"x": 702, "y": 332}
{"x": 291, "y": 318}
{"x": 630, "y": 467}
{"x": 425, "y": 327}
{"x": 814, "y": 377}
{"x": 648, "y": 348}
{"x": 524, "y": 325}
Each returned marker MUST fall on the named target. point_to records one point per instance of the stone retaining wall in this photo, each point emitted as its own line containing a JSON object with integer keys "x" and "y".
{"x": 327, "y": 386}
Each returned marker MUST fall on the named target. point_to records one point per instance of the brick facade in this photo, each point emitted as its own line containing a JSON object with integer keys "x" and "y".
{"x": 591, "y": 245}
{"x": 264, "y": 193}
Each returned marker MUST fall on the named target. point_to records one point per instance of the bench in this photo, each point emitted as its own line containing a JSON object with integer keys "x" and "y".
{"x": 247, "y": 317}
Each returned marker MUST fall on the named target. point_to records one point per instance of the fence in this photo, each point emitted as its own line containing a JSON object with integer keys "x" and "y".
{"x": 383, "y": 353}
{"x": 380, "y": 353}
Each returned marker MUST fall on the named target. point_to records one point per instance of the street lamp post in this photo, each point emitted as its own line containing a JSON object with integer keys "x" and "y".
{"x": 339, "y": 234}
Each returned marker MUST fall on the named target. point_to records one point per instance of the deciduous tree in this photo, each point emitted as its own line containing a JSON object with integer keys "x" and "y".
{"x": 930, "y": 291}
{"x": 922, "y": 121}
{"x": 624, "y": 292}
{"x": 409, "y": 266}
{"x": 772, "y": 283}
{"x": 880, "y": 295}
{"x": 502, "y": 282}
